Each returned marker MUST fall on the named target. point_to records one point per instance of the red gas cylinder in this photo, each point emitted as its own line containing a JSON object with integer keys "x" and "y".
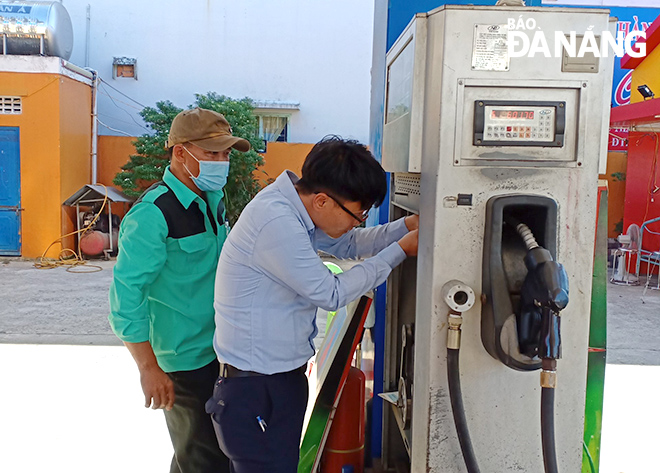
{"x": 93, "y": 243}
{"x": 345, "y": 444}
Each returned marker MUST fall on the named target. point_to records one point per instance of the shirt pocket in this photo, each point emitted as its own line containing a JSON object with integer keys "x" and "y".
{"x": 194, "y": 243}
{"x": 193, "y": 254}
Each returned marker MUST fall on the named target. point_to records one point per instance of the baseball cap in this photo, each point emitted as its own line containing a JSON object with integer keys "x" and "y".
{"x": 204, "y": 128}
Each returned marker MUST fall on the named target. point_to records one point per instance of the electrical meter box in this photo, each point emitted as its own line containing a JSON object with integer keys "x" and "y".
{"x": 475, "y": 134}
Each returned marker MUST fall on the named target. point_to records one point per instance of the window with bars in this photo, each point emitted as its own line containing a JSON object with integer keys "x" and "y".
{"x": 10, "y": 105}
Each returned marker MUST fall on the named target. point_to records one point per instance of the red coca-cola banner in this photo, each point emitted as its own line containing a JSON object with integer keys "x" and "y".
{"x": 618, "y": 139}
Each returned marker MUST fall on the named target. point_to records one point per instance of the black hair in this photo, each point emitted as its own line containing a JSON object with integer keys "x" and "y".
{"x": 345, "y": 169}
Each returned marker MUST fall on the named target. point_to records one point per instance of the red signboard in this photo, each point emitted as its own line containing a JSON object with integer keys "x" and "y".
{"x": 618, "y": 139}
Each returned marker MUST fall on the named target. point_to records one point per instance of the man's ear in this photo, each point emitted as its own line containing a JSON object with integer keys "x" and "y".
{"x": 320, "y": 200}
{"x": 178, "y": 153}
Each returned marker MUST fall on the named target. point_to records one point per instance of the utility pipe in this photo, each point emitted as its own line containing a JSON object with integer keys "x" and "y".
{"x": 88, "y": 22}
{"x": 95, "y": 126}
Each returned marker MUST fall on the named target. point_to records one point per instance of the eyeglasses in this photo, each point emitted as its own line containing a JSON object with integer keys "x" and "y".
{"x": 361, "y": 218}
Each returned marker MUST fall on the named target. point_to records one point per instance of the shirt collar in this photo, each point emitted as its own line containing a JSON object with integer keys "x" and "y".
{"x": 286, "y": 185}
{"x": 182, "y": 192}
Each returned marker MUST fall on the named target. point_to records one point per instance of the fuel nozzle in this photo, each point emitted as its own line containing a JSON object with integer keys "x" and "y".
{"x": 544, "y": 295}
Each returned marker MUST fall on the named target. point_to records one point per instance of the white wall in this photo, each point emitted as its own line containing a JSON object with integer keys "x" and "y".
{"x": 314, "y": 52}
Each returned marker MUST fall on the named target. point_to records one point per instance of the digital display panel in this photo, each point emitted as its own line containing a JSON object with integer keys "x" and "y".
{"x": 519, "y": 123}
{"x": 512, "y": 114}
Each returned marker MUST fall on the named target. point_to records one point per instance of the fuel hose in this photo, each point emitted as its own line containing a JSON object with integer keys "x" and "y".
{"x": 458, "y": 410}
{"x": 548, "y": 429}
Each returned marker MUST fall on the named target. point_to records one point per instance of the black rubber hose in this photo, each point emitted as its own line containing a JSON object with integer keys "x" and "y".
{"x": 456, "y": 397}
{"x": 548, "y": 430}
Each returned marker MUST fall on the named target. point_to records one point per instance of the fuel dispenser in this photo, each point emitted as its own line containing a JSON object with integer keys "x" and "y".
{"x": 500, "y": 156}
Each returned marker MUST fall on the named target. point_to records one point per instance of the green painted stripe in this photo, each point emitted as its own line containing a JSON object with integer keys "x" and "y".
{"x": 593, "y": 409}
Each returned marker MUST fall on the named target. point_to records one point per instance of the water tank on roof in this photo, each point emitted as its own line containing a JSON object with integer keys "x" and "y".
{"x": 29, "y": 28}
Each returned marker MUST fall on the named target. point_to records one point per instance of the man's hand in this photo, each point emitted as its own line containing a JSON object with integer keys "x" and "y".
{"x": 157, "y": 387}
{"x": 409, "y": 243}
{"x": 412, "y": 222}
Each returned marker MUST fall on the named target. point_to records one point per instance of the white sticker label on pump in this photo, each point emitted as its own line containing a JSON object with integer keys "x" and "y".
{"x": 490, "y": 49}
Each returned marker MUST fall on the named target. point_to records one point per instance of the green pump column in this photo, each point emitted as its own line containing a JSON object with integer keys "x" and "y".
{"x": 593, "y": 410}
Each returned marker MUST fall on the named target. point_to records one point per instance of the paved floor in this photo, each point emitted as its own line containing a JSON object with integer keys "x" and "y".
{"x": 633, "y": 325}
{"x": 71, "y": 401}
{"x": 54, "y": 306}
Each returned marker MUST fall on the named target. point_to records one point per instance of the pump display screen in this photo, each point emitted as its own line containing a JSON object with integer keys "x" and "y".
{"x": 513, "y": 114}
{"x": 518, "y": 123}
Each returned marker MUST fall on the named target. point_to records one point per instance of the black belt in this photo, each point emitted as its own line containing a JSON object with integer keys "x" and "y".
{"x": 229, "y": 371}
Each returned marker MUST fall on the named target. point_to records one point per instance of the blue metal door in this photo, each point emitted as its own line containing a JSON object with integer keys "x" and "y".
{"x": 10, "y": 192}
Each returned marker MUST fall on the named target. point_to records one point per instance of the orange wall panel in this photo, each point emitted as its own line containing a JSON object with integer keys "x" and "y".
{"x": 75, "y": 147}
{"x": 281, "y": 156}
{"x": 616, "y": 184}
{"x": 75, "y": 136}
{"x": 113, "y": 153}
{"x": 68, "y": 226}
{"x": 39, "y": 149}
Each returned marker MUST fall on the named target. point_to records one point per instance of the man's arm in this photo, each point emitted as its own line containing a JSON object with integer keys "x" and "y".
{"x": 283, "y": 251}
{"x": 365, "y": 242}
{"x": 142, "y": 254}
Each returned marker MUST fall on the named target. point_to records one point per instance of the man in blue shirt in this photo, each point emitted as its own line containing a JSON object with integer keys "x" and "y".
{"x": 270, "y": 282}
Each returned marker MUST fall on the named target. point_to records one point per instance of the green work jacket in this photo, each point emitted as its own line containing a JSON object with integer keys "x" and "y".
{"x": 162, "y": 287}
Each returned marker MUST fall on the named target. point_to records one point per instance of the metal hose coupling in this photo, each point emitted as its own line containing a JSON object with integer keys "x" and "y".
{"x": 454, "y": 334}
{"x": 460, "y": 298}
{"x": 548, "y": 373}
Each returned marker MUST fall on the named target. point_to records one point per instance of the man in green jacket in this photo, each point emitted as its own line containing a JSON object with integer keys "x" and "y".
{"x": 161, "y": 297}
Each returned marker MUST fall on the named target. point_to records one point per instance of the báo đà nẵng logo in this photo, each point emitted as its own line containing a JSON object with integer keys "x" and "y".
{"x": 525, "y": 38}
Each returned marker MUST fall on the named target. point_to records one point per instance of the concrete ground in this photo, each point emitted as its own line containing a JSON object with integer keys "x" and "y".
{"x": 633, "y": 324}
{"x": 54, "y": 306}
{"x": 71, "y": 401}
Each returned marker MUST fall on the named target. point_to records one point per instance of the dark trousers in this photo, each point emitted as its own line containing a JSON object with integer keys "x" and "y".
{"x": 280, "y": 401}
{"x": 196, "y": 448}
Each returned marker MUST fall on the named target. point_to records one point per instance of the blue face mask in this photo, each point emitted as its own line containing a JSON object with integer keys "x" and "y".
{"x": 212, "y": 174}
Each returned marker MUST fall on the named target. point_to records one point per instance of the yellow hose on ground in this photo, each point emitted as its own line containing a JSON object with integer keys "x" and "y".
{"x": 68, "y": 257}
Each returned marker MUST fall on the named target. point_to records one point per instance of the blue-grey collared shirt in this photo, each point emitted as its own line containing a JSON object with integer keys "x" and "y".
{"x": 270, "y": 279}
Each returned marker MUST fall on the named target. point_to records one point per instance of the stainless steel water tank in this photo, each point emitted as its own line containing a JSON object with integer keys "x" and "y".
{"x": 24, "y": 24}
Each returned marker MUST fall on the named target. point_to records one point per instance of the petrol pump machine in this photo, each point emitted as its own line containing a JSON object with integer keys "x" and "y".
{"x": 499, "y": 154}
